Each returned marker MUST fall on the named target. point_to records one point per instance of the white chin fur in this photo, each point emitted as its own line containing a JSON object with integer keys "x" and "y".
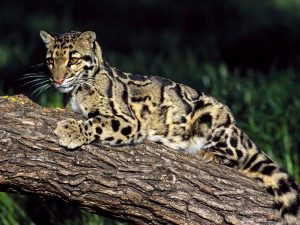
{"x": 64, "y": 89}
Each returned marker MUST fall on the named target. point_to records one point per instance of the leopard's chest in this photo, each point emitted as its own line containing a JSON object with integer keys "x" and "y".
{"x": 86, "y": 103}
{"x": 75, "y": 105}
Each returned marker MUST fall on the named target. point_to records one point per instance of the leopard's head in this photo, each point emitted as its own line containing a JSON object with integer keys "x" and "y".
{"x": 72, "y": 58}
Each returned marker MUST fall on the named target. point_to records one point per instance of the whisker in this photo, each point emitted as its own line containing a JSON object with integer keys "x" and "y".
{"x": 38, "y": 73}
{"x": 39, "y": 80}
{"x": 42, "y": 82}
{"x": 31, "y": 75}
{"x": 38, "y": 90}
{"x": 44, "y": 89}
{"x": 38, "y": 65}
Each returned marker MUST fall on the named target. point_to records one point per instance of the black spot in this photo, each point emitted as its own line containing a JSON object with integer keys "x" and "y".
{"x": 183, "y": 119}
{"x": 256, "y": 166}
{"x": 126, "y": 130}
{"x": 239, "y": 153}
{"x": 112, "y": 105}
{"x": 186, "y": 104}
{"x": 268, "y": 170}
{"x": 109, "y": 89}
{"x": 227, "y": 123}
{"x": 243, "y": 141}
{"x": 216, "y": 138}
{"x": 125, "y": 96}
{"x": 233, "y": 142}
{"x": 270, "y": 190}
{"x": 90, "y": 123}
{"x": 78, "y": 89}
{"x": 292, "y": 208}
{"x": 120, "y": 74}
{"x": 199, "y": 105}
{"x": 283, "y": 187}
{"x": 141, "y": 99}
{"x": 162, "y": 91}
{"x": 209, "y": 137}
{"x": 214, "y": 149}
{"x": 221, "y": 145}
{"x": 93, "y": 114}
{"x": 115, "y": 124}
{"x": 145, "y": 108}
{"x": 109, "y": 139}
{"x": 232, "y": 163}
{"x": 206, "y": 118}
{"x": 138, "y": 77}
{"x": 249, "y": 142}
{"x": 293, "y": 184}
{"x": 108, "y": 69}
{"x": 88, "y": 67}
{"x": 87, "y": 58}
{"x": 251, "y": 160}
{"x": 66, "y": 126}
{"x": 97, "y": 137}
{"x": 72, "y": 53}
{"x": 86, "y": 127}
{"x": 119, "y": 141}
{"x": 98, "y": 130}
{"x": 229, "y": 152}
{"x": 277, "y": 205}
{"x": 138, "y": 126}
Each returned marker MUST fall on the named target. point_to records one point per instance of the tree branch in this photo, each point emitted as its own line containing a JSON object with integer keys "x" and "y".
{"x": 144, "y": 184}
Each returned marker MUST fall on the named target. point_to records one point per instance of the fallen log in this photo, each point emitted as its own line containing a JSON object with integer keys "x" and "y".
{"x": 142, "y": 184}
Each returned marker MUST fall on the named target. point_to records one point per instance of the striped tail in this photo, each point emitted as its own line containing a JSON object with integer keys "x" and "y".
{"x": 277, "y": 182}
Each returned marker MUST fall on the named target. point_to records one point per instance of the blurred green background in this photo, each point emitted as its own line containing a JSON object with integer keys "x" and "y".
{"x": 245, "y": 53}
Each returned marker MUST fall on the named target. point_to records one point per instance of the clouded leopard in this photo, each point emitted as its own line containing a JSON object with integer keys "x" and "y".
{"x": 123, "y": 108}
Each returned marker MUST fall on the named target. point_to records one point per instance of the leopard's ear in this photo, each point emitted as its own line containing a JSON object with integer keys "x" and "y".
{"x": 87, "y": 39}
{"x": 47, "y": 38}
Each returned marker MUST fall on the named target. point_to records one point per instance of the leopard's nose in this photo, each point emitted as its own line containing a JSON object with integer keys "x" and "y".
{"x": 59, "y": 80}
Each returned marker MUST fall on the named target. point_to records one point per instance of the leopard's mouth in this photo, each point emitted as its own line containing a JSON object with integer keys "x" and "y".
{"x": 66, "y": 86}
{"x": 63, "y": 89}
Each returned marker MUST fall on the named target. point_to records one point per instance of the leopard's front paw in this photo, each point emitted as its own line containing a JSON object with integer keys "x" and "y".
{"x": 69, "y": 134}
{"x": 207, "y": 156}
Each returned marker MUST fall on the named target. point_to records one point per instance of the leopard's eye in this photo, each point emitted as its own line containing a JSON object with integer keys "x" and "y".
{"x": 73, "y": 60}
{"x": 50, "y": 61}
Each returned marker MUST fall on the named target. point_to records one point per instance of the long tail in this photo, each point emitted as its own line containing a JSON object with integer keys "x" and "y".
{"x": 277, "y": 182}
{"x": 232, "y": 147}
{"x": 225, "y": 143}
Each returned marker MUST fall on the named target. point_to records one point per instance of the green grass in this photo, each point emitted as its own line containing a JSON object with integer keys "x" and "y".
{"x": 11, "y": 213}
{"x": 266, "y": 106}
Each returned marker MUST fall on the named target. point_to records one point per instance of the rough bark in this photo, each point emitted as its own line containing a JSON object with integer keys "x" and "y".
{"x": 143, "y": 184}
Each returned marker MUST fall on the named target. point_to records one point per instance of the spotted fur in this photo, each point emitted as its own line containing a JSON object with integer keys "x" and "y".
{"x": 123, "y": 108}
